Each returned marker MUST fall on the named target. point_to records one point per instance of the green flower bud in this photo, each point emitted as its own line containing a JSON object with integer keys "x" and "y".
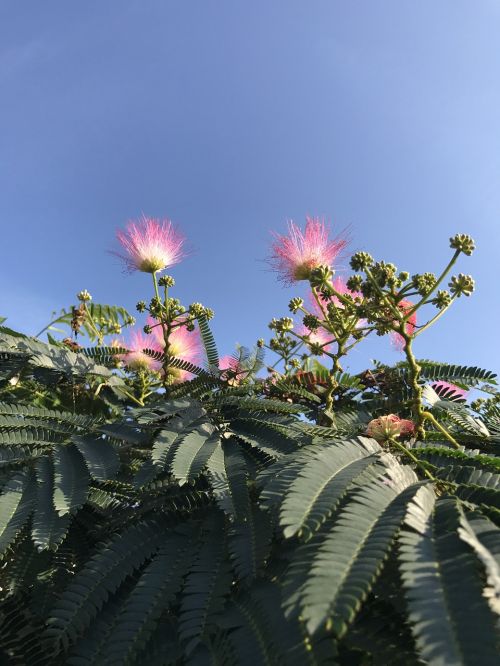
{"x": 403, "y": 276}
{"x": 84, "y": 296}
{"x": 320, "y": 277}
{"x": 354, "y": 282}
{"x": 260, "y": 343}
{"x": 424, "y": 283}
{"x": 361, "y": 260}
{"x": 209, "y": 313}
{"x": 316, "y": 349}
{"x": 442, "y": 299}
{"x": 273, "y": 324}
{"x": 284, "y": 324}
{"x": 196, "y": 309}
{"x": 190, "y": 326}
{"x": 461, "y": 284}
{"x": 166, "y": 281}
{"x": 295, "y": 304}
{"x": 116, "y": 329}
{"x": 141, "y": 306}
{"x": 147, "y": 329}
{"x": 295, "y": 363}
{"x": 311, "y": 322}
{"x": 131, "y": 320}
{"x": 464, "y": 243}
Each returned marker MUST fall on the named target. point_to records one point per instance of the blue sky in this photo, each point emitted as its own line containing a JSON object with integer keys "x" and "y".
{"x": 232, "y": 117}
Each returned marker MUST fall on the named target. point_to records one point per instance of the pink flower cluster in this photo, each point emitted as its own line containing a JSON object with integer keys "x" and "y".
{"x": 389, "y": 427}
{"x": 294, "y": 256}
{"x": 150, "y": 245}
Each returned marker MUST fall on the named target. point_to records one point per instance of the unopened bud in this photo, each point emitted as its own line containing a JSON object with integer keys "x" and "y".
{"x": 84, "y": 296}
{"x": 464, "y": 243}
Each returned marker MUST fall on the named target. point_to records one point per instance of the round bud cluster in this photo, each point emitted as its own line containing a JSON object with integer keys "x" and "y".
{"x": 155, "y": 306}
{"x": 260, "y": 343}
{"x": 403, "y": 276}
{"x": 464, "y": 243}
{"x": 316, "y": 348}
{"x": 84, "y": 296}
{"x": 295, "y": 363}
{"x": 442, "y": 299}
{"x": 141, "y": 306}
{"x": 284, "y": 324}
{"x": 354, "y": 283}
{"x": 147, "y": 329}
{"x": 130, "y": 321}
{"x": 196, "y": 309}
{"x": 166, "y": 281}
{"x": 116, "y": 329}
{"x": 461, "y": 285}
{"x": 320, "y": 277}
{"x": 311, "y": 322}
{"x": 360, "y": 261}
{"x": 424, "y": 283}
{"x": 190, "y": 326}
{"x": 295, "y": 304}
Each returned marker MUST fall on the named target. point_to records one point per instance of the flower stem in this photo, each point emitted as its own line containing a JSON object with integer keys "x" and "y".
{"x": 430, "y": 417}
{"x": 413, "y": 458}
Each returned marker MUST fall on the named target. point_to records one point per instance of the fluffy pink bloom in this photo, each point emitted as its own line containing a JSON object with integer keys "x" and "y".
{"x": 340, "y": 286}
{"x": 183, "y": 344}
{"x": 456, "y": 391}
{"x": 397, "y": 339}
{"x": 136, "y": 359}
{"x": 319, "y": 337}
{"x": 150, "y": 245}
{"x": 390, "y": 426}
{"x": 295, "y": 255}
{"x": 234, "y": 372}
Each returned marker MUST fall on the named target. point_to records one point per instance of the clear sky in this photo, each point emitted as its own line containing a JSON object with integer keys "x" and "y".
{"x": 230, "y": 117}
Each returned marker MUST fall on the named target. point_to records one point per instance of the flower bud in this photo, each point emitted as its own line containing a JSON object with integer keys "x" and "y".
{"x": 209, "y": 313}
{"x": 295, "y": 363}
{"x": 260, "y": 343}
{"x": 361, "y": 260}
{"x": 147, "y": 329}
{"x": 461, "y": 284}
{"x": 166, "y": 281}
{"x": 84, "y": 296}
{"x": 295, "y": 304}
{"x": 354, "y": 282}
{"x": 130, "y": 321}
{"x": 424, "y": 283}
{"x": 190, "y": 326}
{"x": 464, "y": 243}
{"x": 284, "y": 324}
{"x": 403, "y": 276}
{"x": 442, "y": 299}
{"x": 141, "y": 306}
{"x": 311, "y": 322}
{"x": 320, "y": 277}
{"x": 196, "y": 309}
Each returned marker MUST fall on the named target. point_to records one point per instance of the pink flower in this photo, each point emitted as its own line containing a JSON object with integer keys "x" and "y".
{"x": 450, "y": 390}
{"x": 150, "y": 245}
{"x": 183, "y": 344}
{"x": 294, "y": 256}
{"x": 318, "y": 337}
{"x": 136, "y": 359}
{"x": 405, "y": 306}
{"x": 340, "y": 286}
{"x": 390, "y": 426}
{"x": 234, "y": 373}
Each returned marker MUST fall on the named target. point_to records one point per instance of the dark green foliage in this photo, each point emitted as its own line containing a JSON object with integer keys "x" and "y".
{"x": 221, "y": 524}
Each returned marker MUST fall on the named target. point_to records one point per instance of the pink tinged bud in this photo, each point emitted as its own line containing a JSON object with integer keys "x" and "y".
{"x": 136, "y": 359}
{"x": 442, "y": 387}
{"x": 294, "y": 256}
{"x": 397, "y": 339}
{"x": 390, "y": 426}
{"x": 150, "y": 245}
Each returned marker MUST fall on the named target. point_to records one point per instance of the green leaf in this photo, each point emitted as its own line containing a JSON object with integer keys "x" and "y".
{"x": 16, "y": 504}
{"x": 100, "y": 456}
{"x": 49, "y": 528}
{"x": 193, "y": 452}
{"x": 450, "y": 617}
{"x": 209, "y": 343}
{"x": 71, "y": 481}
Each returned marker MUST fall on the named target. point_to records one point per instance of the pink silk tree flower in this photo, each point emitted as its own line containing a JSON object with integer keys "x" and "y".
{"x": 340, "y": 286}
{"x": 397, "y": 340}
{"x": 150, "y": 245}
{"x": 294, "y": 256}
{"x": 318, "y": 337}
{"x": 183, "y": 344}
{"x": 231, "y": 370}
{"x": 389, "y": 426}
{"x": 136, "y": 359}
{"x": 450, "y": 389}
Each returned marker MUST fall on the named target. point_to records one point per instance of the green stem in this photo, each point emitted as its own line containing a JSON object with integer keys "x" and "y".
{"x": 413, "y": 458}
{"x": 438, "y": 282}
{"x": 430, "y": 417}
{"x": 435, "y": 318}
{"x": 396, "y": 311}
